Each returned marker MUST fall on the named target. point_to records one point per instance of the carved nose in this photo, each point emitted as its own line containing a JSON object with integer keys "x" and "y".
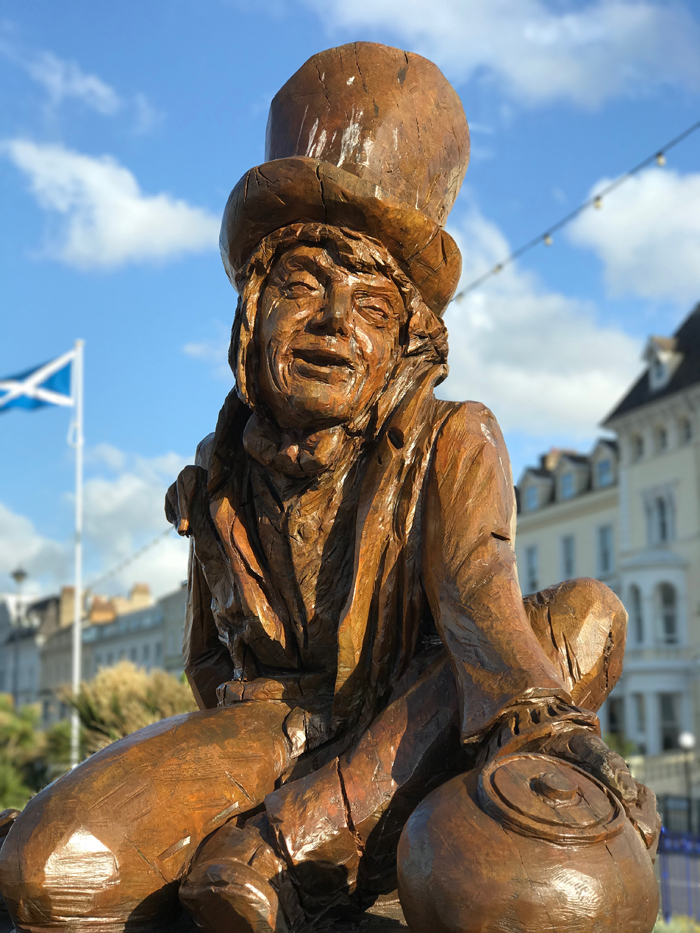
{"x": 335, "y": 314}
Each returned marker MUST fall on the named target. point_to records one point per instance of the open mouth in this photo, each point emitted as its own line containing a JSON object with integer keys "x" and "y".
{"x": 322, "y": 359}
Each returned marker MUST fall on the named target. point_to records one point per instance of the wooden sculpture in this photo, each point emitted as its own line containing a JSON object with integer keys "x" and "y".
{"x": 379, "y": 706}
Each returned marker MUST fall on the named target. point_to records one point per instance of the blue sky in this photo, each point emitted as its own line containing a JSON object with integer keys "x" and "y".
{"x": 124, "y": 126}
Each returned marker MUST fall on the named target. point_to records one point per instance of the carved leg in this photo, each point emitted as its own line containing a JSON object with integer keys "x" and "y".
{"x": 581, "y": 625}
{"x": 106, "y": 845}
{"x": 239, "y": 885}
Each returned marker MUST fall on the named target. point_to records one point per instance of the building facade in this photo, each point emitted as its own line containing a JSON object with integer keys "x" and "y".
{"x": 142, "y": 636}
{"x": 628, "y": 513}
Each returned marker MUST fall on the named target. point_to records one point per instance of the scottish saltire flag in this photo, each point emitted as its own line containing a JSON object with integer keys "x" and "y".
{"x": 49, "y": 384}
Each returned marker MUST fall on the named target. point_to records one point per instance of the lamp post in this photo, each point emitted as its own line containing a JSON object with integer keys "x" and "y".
{"x": 19, "y": 576}
{"x": 686, "y": 740}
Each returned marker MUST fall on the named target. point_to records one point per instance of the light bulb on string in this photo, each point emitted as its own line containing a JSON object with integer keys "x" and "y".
{"x": 598, "y": 203}
{"x": 547, "y": 239}
{"x": 660, "y": 159}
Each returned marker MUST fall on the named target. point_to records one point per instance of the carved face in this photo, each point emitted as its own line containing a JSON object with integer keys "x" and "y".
{"x": 328, "y": 338}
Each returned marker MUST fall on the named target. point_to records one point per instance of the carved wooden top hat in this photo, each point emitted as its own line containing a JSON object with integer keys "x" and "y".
{"x": 366, "y": 137}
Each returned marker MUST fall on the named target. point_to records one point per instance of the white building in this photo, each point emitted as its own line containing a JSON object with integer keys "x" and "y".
{"x": 629, "y": 514}
{"x": 144, "y": 636}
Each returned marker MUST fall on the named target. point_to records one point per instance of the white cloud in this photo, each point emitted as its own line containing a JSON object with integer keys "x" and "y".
{"x": 537, "y": 358}
{"x": 107, "y": 221}
{"x": 123, "y": 512}
{"x": 647, "y": 235}
{"x": 536, "y": 51}
{"x": 213, "y": 352}
{"x": 21, "y": 545}
{"x": 64, "y": 79}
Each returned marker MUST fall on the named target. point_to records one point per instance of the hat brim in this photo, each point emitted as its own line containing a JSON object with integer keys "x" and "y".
{"x": 303, "y": 190}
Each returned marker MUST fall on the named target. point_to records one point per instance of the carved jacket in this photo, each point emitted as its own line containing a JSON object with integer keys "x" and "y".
{"x": 432, "y": 553}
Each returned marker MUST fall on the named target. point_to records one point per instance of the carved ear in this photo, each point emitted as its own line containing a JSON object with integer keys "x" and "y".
{"x": 426, "y": 331}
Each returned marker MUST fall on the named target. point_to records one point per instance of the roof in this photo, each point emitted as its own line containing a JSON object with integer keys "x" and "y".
{"x": 580, "y": 459}
{"x": 686, "y": 343}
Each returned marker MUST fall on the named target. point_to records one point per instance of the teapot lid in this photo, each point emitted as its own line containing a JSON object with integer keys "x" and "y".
{"x": 541, "y": 796}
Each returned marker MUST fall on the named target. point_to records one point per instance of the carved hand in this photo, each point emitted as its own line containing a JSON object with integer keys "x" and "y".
{"x": 589, "y": 752}
{"x": 187, "y": 508}
{"x": 181, "y": 499}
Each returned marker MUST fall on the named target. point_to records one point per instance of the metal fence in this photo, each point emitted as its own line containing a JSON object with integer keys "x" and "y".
{"x": 679, "y": 874}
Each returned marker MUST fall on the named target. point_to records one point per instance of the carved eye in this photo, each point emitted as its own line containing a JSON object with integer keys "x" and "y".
{"x": 299, "y": 288}
{"x": 373, "y": 308}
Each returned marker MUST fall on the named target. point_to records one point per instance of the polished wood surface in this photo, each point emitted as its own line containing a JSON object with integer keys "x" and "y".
{"x": 379, "y": 707}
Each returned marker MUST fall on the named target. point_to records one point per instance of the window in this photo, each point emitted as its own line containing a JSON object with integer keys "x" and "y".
{"x": 159, "y": 654}
{"x": 532, "y": 569}
{"x": 636, "y": 616}
{"x": 132, "y": 654}
{"x": 604, "y": 473}
{"x": 640, "y": 712}
{"x": 637, "y": 447}
{"x": 605, "y": 549}
{"x": 658, "y": 374}
{"x": 668, "y": 613}
{"x": 685, "y": 430}
{"x": 616, "y": 715}
{"x": 669, "y": 708}
{"x": 568, "y": 557}
{"x": 532, "y": 499}
{"x": 640, "y": 722}
{"x": 146, "y": 653}
{"x": 661, "y": 519}
{"x": 110, "y": 659}
{"x": 567, "y": 486}
{"x": 661, "y": 435}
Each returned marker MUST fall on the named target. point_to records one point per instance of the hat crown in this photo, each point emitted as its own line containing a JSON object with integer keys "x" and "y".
{"x": 384, "y": 115}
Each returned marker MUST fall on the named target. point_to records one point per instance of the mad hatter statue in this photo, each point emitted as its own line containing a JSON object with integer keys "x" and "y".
{"x": 379, "y": 705}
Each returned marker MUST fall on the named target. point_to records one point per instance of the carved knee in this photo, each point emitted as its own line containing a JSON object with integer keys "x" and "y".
{"x": 581, "y": 625}
{"x": 510, "y": 854}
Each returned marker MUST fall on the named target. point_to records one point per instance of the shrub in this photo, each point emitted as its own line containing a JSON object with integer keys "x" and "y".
{"x": 124, "y": 698}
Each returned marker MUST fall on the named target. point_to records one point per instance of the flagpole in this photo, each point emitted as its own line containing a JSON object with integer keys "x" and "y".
{"x": 79, "y": 442}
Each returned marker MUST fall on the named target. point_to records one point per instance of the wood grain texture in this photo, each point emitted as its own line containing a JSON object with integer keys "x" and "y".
{"x": 378, "y": 705}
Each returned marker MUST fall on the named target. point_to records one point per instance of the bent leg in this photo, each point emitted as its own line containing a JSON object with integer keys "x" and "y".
{"x": 339, "y": 826}
{"x": 107, "y": 843}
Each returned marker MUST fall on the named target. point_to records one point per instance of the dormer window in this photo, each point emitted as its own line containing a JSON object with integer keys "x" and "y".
{"x": 532, "y": 498}
{"x": 604, "y": 473}
{"x": 662, "y": 359}
{"x": 567, "y": 486}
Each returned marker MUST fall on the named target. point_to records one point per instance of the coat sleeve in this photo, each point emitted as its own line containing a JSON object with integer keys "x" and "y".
{"x": 470, "y": 574}
{"x": 207, "y": 661}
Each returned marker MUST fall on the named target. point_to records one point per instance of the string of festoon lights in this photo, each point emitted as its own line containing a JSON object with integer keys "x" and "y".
{"x": 595, "y": 202}
{"x": 122, "y": 565}
{"x": 546, "y": 238}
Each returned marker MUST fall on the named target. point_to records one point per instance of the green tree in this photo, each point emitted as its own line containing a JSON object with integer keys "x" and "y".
{"x": 124, "y": 698}
{"x": 22, "y": 770}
